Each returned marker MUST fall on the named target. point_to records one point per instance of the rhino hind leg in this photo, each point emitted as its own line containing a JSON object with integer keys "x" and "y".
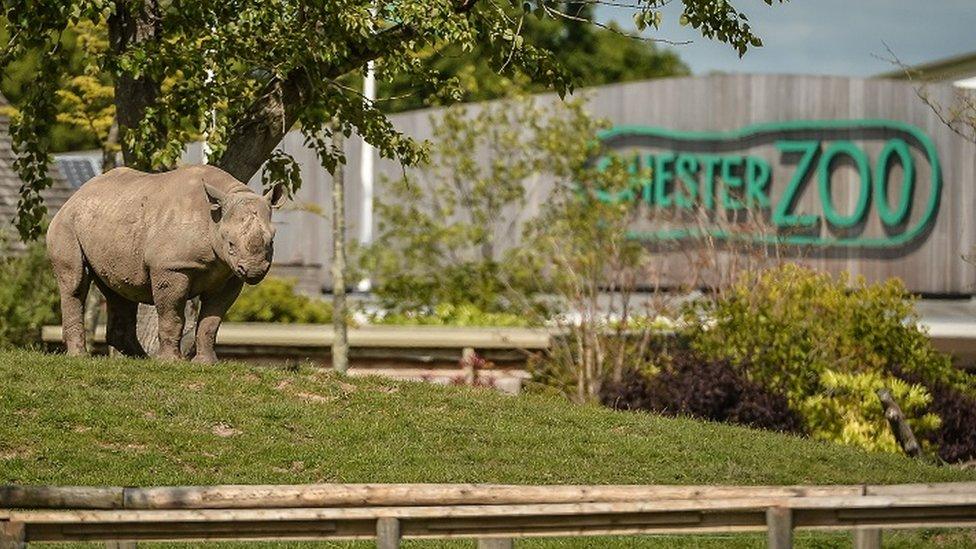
{"x": 74, "y": 278}
{"x": 121, "y": 330}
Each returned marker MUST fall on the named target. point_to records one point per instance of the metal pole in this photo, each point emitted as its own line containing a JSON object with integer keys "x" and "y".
{"x": 340, "y": 345}
{"x": 366, "y": 175}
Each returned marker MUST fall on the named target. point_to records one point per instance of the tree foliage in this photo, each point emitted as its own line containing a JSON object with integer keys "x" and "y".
{"x": 241, "y": 73}
{"x": 440, "y": 228}
{"x": 591, "y": 55}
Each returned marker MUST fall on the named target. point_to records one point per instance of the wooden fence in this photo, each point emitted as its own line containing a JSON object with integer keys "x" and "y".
{"x": 493, "y": 514}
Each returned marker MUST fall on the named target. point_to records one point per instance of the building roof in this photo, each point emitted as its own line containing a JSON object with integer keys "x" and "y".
{"x": 10, "y": 184}
{"x": 79, "y": 167}
{"x": 956, "y": 68}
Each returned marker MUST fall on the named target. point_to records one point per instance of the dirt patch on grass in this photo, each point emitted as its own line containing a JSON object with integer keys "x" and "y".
{"x": 225, "y": 430}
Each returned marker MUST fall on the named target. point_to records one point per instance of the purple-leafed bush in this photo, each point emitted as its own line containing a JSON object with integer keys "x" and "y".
{"x": 709, "y": 389}
{"x": 955, "y": 438}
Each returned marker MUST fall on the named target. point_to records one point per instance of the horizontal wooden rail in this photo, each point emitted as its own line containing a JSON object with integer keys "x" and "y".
{"x": 389, "y": 512}
{"x": 399, "y": 337}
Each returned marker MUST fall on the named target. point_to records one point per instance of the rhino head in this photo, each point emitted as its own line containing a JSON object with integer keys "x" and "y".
{"x": 243, "y": 234}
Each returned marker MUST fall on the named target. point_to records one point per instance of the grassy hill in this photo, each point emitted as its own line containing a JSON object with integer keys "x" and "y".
{"x": 125, "y": 422}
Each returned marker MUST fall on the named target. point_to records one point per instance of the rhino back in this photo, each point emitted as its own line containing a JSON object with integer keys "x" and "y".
{"x": 129, "y": 223}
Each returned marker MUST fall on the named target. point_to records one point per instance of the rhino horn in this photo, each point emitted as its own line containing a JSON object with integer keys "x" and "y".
{"x": 217, "y": 196}
{"x": 275, "y": 195}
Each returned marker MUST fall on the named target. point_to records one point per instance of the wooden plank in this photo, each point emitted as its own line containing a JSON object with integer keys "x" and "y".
{"x": 61, "y": 497}
{"x": 943, "y": 488}
{"x": 867, "y": 538}
{"x": 496, "y": 543}
{"x": 13, "y": 535}
{"x": 851, "y": 508}
{"x": 339, "y": 495}
{"x": 387, "y": 533}
{"x": 407, "y": 337}
{"x": 779, "y": 524}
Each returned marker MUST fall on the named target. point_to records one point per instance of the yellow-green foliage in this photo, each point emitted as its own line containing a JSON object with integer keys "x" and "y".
{"x": 88, "y": 99}
{"x": 448, "y": 314}
{"x": 826, "y": 342}
{"x": 275, "y": 300}
{"x": 849, "y": 411}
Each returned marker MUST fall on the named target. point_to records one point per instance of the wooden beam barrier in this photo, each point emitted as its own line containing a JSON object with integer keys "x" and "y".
{"x": 652, "y": 509}
{"x": 349, "y": 495}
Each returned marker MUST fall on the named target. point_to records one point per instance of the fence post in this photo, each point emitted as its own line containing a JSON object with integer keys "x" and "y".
{"x": 467, "y": 364}
{"x": 13, "y": 535}
{"x": 867, "y": 538}
{"x": 120, "y": 545}
{"x": 496, "y": 543}
{"x": 387, "y": 533}
{"x": 779, "y": 528}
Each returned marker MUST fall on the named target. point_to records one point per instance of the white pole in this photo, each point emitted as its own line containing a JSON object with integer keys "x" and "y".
{"x": 366, "y": 175}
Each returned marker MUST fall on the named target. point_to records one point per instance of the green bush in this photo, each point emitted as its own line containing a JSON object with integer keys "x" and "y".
{"x": 447, "y": 314}
{"x": 28, "y": 296}
{"x": 828, "y": 343}
{"x": 850, "y": 411}
{"x": 275, "y": 300}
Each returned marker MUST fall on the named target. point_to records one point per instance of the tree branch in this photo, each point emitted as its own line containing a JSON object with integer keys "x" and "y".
{"x": 270, "y": 117}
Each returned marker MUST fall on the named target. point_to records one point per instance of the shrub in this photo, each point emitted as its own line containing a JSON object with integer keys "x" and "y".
{"x": 275, "y": 300}
{"x": 28, "y": 296}
{"x": 709, "y": 389}
{"x": 956, "y": 436}
{"x": 827, "y": 343}
{"x": 849, "y": 410}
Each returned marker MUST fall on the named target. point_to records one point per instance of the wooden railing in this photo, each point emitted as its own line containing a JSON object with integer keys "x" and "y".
{"x": 494, "y": 514}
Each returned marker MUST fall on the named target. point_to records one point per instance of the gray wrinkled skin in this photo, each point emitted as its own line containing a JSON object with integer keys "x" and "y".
{"x": 159, "y": 239}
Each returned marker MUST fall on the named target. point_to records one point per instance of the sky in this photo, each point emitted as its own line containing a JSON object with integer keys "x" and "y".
{"x": 838, "y": 37}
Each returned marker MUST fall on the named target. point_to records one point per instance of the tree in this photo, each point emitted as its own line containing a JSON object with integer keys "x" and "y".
{"x": 592, "y": 55}
{"x": 244, "y": 72}
{"x": 439, "y": 229}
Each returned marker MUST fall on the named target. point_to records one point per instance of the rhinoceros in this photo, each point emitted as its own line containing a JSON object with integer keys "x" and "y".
{"x": 160, "y": 239}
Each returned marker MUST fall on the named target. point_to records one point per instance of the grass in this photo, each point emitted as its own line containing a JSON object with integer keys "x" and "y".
{"x": 105, "y": 421}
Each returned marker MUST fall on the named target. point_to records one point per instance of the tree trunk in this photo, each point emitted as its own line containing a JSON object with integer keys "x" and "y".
{"x": 133, "y": 95}
{"x": 340, "y": 345}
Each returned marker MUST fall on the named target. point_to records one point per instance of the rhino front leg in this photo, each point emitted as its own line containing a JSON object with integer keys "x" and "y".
{"x": 213, "y": 307}
{"x": 170, "y": 291}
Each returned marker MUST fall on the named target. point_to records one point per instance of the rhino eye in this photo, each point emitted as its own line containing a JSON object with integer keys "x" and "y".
{"x": 231, "y": 248}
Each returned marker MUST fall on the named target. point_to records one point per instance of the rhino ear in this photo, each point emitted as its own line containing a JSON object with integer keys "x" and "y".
{"x": 216, "y": 197}
{"x": 275, "y": 196}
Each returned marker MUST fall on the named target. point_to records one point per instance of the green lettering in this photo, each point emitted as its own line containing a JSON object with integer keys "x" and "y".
{"x": 888, "y": 216}
{"x": 662, "y": 176}
{"x": 781, "y": 215}
{"x": 864, "y": 195}
{"x": 708, "y": 195}
{"x": 730, "y": 180}
{"x": 686, "y": 168}
{"x": 757, "y": 179}
{"x": 611, "y": 197}
{"x": 647, "y": 184}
